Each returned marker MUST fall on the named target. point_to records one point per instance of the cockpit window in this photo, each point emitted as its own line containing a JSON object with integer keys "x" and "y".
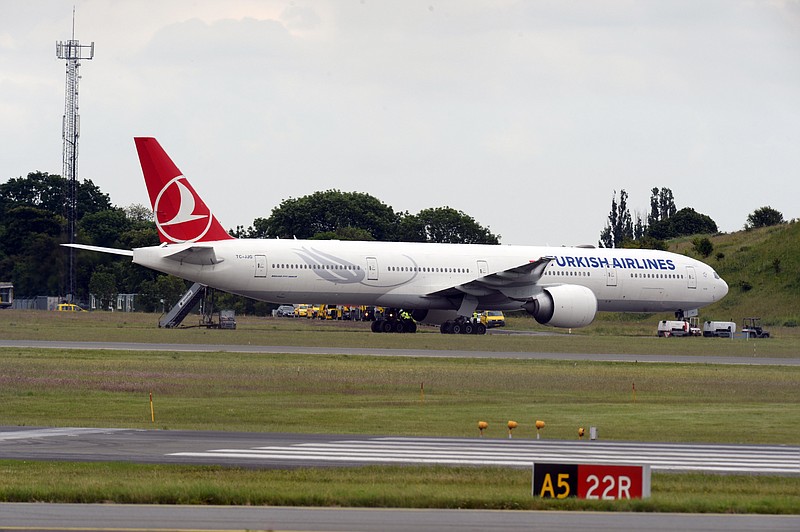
{"x": 715, "y": 274}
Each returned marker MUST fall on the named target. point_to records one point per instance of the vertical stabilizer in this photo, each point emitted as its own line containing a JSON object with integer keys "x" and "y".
{"x": 180, "y": 213}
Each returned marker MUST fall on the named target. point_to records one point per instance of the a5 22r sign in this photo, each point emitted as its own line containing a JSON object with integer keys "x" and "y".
{"x": 589, "y": 481}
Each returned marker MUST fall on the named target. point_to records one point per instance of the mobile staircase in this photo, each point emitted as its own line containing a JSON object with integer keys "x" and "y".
{"x": 175, "y": 316}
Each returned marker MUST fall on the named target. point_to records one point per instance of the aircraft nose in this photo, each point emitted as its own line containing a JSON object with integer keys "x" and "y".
{"x": 723, "y": 288}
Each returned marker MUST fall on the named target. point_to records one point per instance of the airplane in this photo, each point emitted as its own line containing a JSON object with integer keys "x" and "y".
{"x": 439, "y": 284}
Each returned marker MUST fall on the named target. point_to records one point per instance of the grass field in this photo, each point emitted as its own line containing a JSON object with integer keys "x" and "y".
{"x": 382, "y": 395}
{"x": 612, "y": 333}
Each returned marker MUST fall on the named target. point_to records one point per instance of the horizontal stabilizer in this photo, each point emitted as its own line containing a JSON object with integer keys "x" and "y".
{"x": 114, "y": 251}
{"x": 200, "y": 255}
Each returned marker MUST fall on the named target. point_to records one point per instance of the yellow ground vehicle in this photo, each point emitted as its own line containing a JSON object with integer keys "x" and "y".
{"x": 493, "y": 318}
{"x": 301, "y": 311}
{"x": 69, "y": 307}
{"x": 332, "y": 312}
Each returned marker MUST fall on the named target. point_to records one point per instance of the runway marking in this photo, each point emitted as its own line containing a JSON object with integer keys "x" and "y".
{"x": 517, "y": 453}
{"x": 51, "y": 433}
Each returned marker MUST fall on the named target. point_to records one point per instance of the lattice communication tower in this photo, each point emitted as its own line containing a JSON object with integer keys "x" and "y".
{"x": 74, "y": 52}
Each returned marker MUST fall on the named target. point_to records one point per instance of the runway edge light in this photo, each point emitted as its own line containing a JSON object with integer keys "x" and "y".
{"x": 511, "y": 426}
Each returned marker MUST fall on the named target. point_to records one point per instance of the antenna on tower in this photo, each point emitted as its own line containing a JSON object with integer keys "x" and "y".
{"x": 74, "y": 52}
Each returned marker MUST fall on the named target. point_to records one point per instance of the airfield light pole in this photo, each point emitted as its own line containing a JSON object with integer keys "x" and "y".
{"x": 74, "y": 52}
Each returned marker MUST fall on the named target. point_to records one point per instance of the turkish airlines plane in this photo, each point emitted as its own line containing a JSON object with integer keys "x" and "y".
{"x": 435, "y": 283}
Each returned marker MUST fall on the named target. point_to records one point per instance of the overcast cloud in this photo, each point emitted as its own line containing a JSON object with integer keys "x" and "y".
{"x": 525, "y": 115}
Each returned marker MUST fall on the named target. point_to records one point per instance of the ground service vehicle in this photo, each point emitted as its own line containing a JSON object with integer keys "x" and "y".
{"x": 227, "y": 319}
{"x": 493, "y": 318}
{"x": 6, "y": 295}
{"x": 751, "y": 328}
{"x": 301, "y": 311}
{"x": 69, "y": 307}
{"x": 721, "y": 329}
{"x": 685, "y": 327}
{"x": 332, "y": 312}
{"x": 285, "y": 311}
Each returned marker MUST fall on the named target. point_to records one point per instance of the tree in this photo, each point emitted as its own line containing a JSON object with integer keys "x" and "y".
{"x": 764, "y": 217}
{"x": 104, "y": 287}
{"x": 161, "y": 293}
{"x": 666, "y": 204}
{"x": 446, "y": 225}
{"x": 344, "y": 233}
{"x": 30, "y": 244}
{"x": 105, "y": 227}
{"x": 685, "y": 222}
{"x": 662, "y": 205}
{"x": 136, "y": 212}
{"x": 620, "y": 224}
{"x": 49, "y": 192}
{"x": 326, "y": 212}
{"x": 703, "y": 246}
{"x": 357, "y": 216}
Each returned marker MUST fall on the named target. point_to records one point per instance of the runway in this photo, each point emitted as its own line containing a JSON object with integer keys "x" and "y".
{"x": 282, "y": 450}
{"x": 121, "y": 517}
{"x": 526, "y": 355}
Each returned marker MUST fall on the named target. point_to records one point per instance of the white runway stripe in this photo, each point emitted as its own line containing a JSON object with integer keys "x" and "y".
{"x": 516, "y": 453}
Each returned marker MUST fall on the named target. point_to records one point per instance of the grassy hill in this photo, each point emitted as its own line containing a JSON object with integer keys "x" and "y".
{"x": 762, "y": 268}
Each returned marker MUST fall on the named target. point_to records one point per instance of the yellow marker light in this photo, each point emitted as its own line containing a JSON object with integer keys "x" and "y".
{"x": 539, "y": 425}
{"x": 511, "y": 426}
{"x": 482, "y": 425}
{"x": 580, "y": 432}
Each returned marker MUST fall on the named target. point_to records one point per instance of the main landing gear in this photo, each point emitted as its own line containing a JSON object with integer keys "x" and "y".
{"x": 462, "y": 325}
{"x": 394, "y": 321}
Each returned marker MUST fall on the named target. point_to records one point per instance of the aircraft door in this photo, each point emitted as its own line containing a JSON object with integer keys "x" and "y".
{"x": 691, "y": 277}
{"x": 611, "y": 277}
{"x": 261, "y": 266}
{"x": 372, "y": 269}
{"x": 483, "y": 267}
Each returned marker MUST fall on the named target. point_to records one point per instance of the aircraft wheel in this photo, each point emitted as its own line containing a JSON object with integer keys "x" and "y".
{"x": 446, "y": 327}
{"x": 377, "y": 326}
{"x": 387, "y": 326}
{"x": 399, "y": 327}
{"x": 457, "y": 328}
{"x": 480, "y": 329}
{"x": 469, "y": 328}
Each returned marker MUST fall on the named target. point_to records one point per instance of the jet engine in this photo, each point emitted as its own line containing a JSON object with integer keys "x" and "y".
{"x": 564, "y": 306}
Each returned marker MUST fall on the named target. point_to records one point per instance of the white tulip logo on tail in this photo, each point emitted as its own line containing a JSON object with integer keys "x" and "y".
{"x": 181, "y": 216}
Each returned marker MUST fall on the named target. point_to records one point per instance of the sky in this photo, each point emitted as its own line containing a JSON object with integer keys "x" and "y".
{"x": 525, "y": 115}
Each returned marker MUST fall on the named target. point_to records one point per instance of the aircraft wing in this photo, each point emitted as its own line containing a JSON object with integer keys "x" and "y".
{"x": 200, "y": 255}
{"x": 517, "y": 283}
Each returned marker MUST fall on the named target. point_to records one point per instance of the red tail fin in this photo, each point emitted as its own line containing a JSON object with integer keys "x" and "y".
{"x": 180, "y": 214}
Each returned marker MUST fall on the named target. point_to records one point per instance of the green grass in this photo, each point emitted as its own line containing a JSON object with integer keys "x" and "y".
{"x": 750, "y": 261}
{"x": 385, "y": 487}
{"x": 384, "y": 395}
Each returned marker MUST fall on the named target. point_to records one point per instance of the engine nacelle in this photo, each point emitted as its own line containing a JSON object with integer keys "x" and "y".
{"x": 564, "y": 306}
{"x": 433, "y": 317}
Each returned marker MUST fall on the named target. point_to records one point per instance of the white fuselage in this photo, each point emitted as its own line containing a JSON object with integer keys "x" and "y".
{"x": 407, "y": 275}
